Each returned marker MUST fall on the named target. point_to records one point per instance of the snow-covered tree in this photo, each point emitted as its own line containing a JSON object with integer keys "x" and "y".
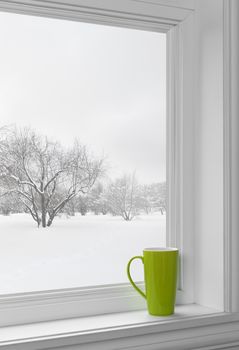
{"x": 44, "y": 175}
{"x": 9, "y": 204}
{"x": 83, "y": 203}
{"x": 144, "y": 201}
{"x": 98, "y": 199}
{"x": 122, "y": 197}
{"x": 158, "y": 196}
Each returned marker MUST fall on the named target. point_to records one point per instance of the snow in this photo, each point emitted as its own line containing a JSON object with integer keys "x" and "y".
{"x": 74, "y": 252}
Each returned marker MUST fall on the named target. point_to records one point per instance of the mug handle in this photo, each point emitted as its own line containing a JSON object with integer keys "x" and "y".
{"x": 130, "y": 278}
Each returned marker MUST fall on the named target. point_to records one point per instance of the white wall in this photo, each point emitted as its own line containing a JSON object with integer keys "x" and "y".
{"x": 209, "y": 153}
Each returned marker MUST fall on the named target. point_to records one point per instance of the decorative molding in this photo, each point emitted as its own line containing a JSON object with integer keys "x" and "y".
{"x": 58, "y": 304}
{"x": 234, "y": 120}
{"x": 219, "y": 331}
{"x": 68, "y": 303}
{"x": 174, "y": 144}
{"x": 227, "y": 154}
{"x": 127, "y": 13}
{"x": 202, "y": 332}
{"x": 41, "y": 306}
{"x": 180, "y": 169}
{"x": 172, "y": 137}
{"x": 182, "y": 4}
{"x": 230, "y": 150}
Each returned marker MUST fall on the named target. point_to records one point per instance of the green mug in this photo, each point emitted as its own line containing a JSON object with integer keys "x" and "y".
{"x": 160, "y": 275}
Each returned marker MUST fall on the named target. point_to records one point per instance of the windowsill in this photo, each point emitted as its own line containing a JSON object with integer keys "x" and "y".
{"x": 103, "y": 328}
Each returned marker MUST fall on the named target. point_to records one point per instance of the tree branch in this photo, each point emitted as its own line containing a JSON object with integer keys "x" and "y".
{"x": 30, "y": 179}
{"x": 35, "y": 217}
{"x": 53, "y": 178}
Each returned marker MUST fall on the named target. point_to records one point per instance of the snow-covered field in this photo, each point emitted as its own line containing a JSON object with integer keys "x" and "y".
{"x": 74, "y": 252}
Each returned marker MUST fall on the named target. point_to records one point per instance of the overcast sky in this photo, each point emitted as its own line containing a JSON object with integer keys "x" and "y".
{"x": 103, "y": 85}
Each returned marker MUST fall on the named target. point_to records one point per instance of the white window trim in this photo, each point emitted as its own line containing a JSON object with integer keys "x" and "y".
{"x": 180, "y": 131}
{"x": 231, "y": 162}
{"x": 207, "y": 331}
{"x": 193, "y": 328}
{"x": 45, "y": 305}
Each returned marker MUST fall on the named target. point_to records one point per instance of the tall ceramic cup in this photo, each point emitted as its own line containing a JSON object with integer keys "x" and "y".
{"x": 160, "y": 276}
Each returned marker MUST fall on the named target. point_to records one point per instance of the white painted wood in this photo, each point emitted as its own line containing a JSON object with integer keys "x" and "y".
{"x": 187, "y": 99}
{"x": 68, "y": 303}
{"x": 33, "y": 307}
{"x": 234, "y": 121}
{"x": 173, "y": 139}
{"x": 186, "y": 4}
{"x": 222, "y": 329}
{"x": 180, "y": 156}
{"x": 73, "y": 302}
{"x": 208, "y": 112}
{"x": 191, "y": 327}
{"x": 231, "y": 160}
{"x": 85, "y": 324}
{"x": 46, "y": 305}
{"x": 125, "y": 13}
{"x": 227, "y": 155}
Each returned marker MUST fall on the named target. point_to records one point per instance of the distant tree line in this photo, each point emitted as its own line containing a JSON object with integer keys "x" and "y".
{"x": 44, "y": 179}
{"x": 122, "y": 197}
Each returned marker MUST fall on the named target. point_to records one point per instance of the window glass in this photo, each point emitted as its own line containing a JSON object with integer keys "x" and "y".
{"x": 82, "y": 151}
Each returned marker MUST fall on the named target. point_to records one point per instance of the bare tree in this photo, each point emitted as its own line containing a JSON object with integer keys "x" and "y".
{"x": 43, "y": 175}
{"x": 144, "y": 199}
{"x": 152, "y": 197}
{"x": 98, "y": 199}
{"x": 158, "y": 196}
{"x": 10, "y": 204}
{"x": 122, "y": 197}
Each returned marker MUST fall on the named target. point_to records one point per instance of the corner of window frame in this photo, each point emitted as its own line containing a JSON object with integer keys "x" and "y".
{"x": 175, "y": 24}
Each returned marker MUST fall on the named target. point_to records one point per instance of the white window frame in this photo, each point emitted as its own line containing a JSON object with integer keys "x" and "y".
{"x": 117, "y": 298}
{"x": 158, "y": 16}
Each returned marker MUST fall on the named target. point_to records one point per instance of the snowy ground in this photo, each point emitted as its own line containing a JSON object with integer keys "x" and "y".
{"x": 74, "y": 252}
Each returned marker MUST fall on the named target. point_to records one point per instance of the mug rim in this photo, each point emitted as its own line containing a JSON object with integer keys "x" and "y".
{"x": 160, "y": 249}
